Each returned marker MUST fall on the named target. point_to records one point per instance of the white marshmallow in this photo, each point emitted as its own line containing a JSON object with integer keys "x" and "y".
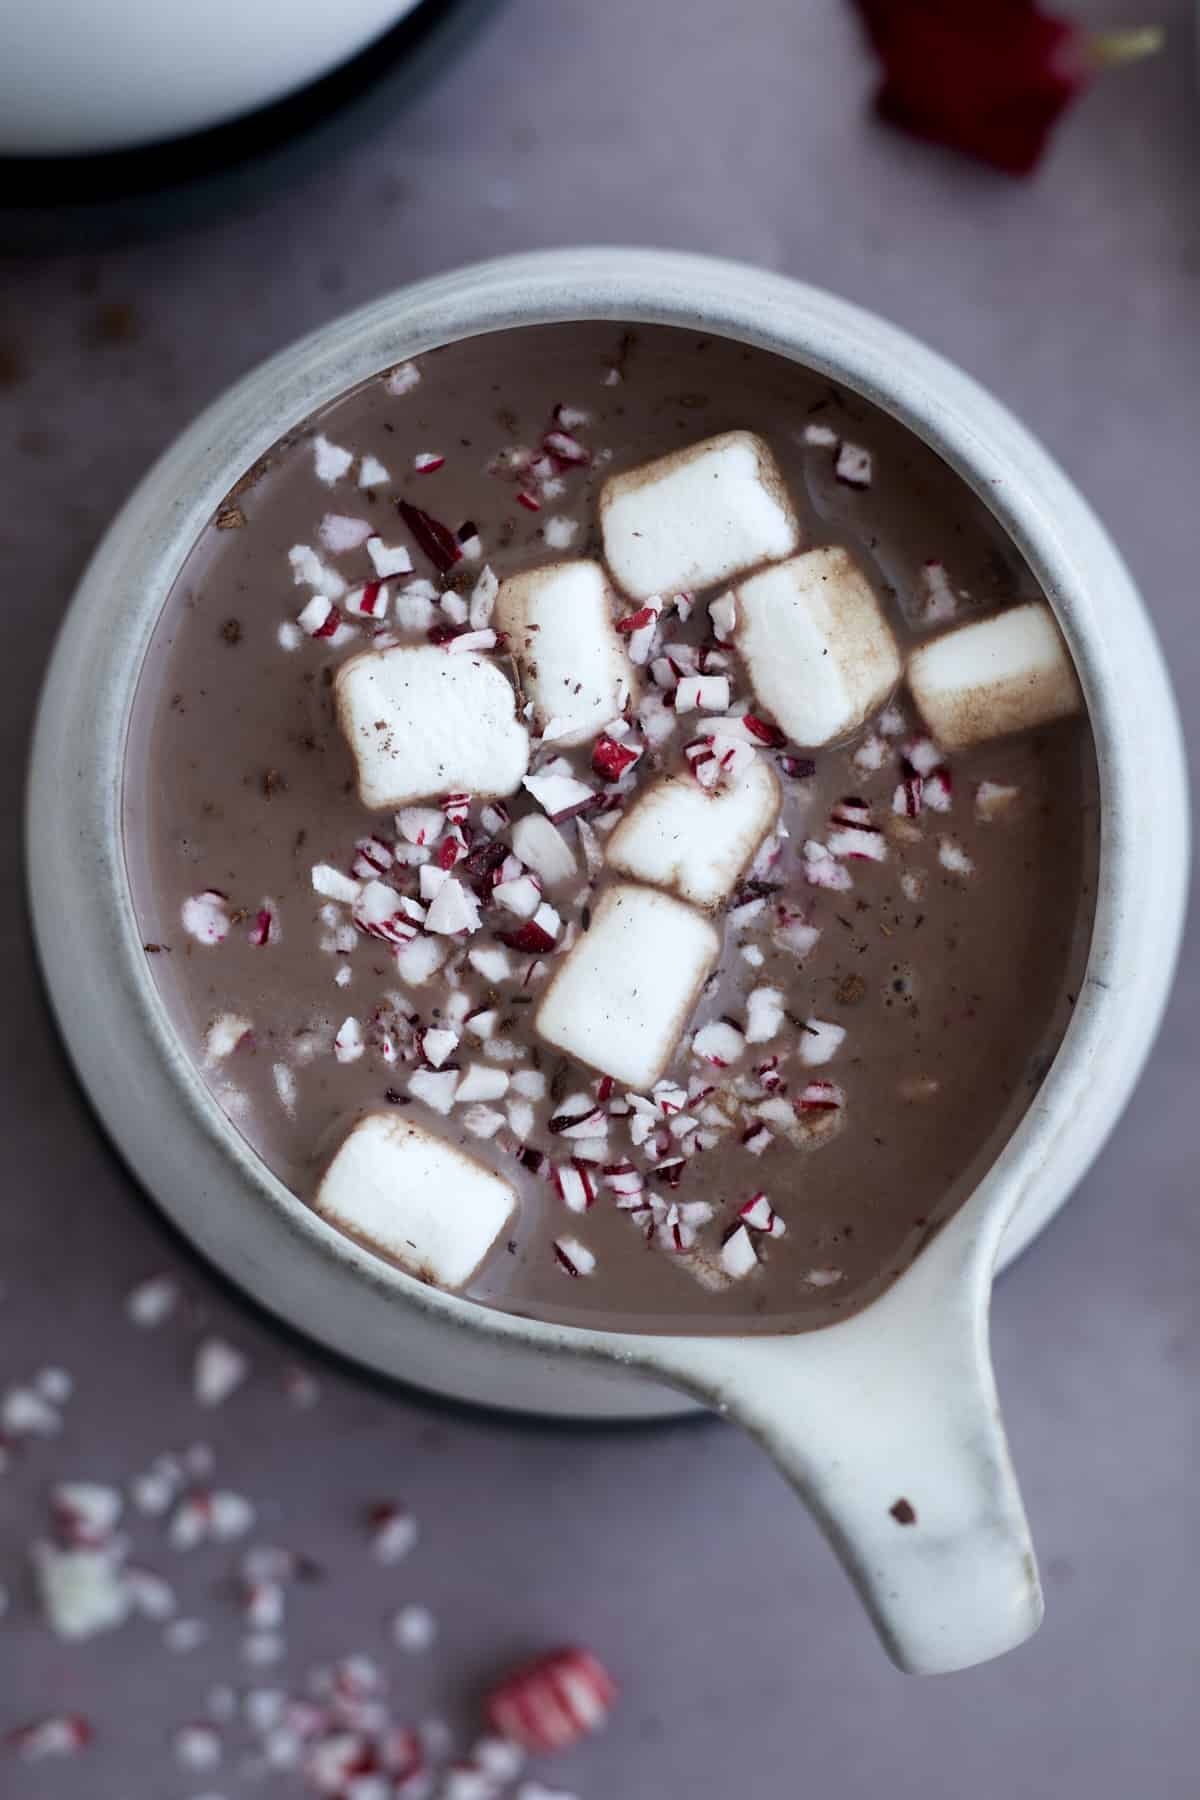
{"x": 694, "y": 841}
{"x": 697, "y": 516}
{"x": 404, "y": 1192}
{"x": 542, "y": 847}
{"x": 819, "y": 652}
{"x": 625, "y": 991}
{"x": 983, "y": 680}
{"x": 574, "y": 667}
{"x": 421, "y": 724}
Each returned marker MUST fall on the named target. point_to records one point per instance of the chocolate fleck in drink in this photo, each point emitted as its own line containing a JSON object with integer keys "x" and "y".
{"x": 613, "y": 820}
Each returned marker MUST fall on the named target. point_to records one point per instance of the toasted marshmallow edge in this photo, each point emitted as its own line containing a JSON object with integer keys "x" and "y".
{"x": 993, "y": 677}
{"x": 819, "y": 653}
{"x": 624, "y": 993}
{"x": 574, "y": 666}
{"x": 422, "y": 724}
{"x": 415, "y": 1199}
{"x": 697, "y": 516}
{"x": 696, "y": 842}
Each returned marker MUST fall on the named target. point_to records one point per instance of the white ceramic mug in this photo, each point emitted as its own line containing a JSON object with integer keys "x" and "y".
{"x": 896, "y": 1404}
{"x": 79, "y": 77}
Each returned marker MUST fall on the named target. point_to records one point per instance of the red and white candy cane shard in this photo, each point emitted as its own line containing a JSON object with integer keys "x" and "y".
{"x": 375, "y": 856}
{"x": 611, "y": 760}
{"x": 263, "y": 929}
{"x": 378, "y": 912}
{"x": 494, "y": 817}
{"x": 760, "y": 1215}
{"x": 769, "y": 1077}
{"x": 456, "y": 807}
{"x": 572, "y": 1256}
{"x": 921, "y": 754}
{"x": 553, "y": 1702}
{"x": 206, "y": 916}
{"x": 623, "y": 1179}
{"x": 853, "y": 832}
{"x": 393, "y": 1531}
{"x": 368, "y": 601}
{"x": 939, "y": 790}
{"x": 908, "y": 796}
{"x": 320, "y": 618}
{"x": 819, "y": 1096}
{"x": 435, "y": 539}
{"x": 579, "y": 1119}
{"x": 402, "y": 1753}
{"x": 575, "y": 1185}
{"x": 467, "y": 641}
{"x": 565, "y": 449}
{"x": 764, "y": 731}
{"x": 637, "y": 621}
{"x": 532, "y": 939}
{"x": 822, "y": 869}
{"x": 85, "y": 1512}
{"x": 62, "y": 1735}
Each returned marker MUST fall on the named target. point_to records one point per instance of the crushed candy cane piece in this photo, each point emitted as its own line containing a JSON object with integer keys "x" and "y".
{"x": 393, "y": 1532}
{"x": 206, "y": 917}
{"x": 414, "y": 1629}
{"x": 738, "y": 1255}
{"x": 63, "y": 1734}
{"x": 553, "y": 1701}
{"x": 152, "y": 1301}
{"x": 219, "y": 1370}
{"x": 330, "y": 460}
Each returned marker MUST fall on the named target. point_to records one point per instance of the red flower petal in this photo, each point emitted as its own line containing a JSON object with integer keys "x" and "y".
{"x": 990, "y": 79}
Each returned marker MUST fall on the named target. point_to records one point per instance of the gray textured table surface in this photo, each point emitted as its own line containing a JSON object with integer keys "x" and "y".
{"x": 746, "y": 1665}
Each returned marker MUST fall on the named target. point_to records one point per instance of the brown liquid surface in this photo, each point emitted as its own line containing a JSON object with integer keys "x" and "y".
{"x": 954, "y": 998}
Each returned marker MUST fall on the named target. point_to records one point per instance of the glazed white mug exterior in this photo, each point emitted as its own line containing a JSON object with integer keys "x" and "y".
{"x": 886, "y": 1423}
{"x": 79, "y": 77}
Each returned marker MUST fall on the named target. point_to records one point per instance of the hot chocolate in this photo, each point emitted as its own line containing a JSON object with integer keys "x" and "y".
{"x": 613, "y": 820}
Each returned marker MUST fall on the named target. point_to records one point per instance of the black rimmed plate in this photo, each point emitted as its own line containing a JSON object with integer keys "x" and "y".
{"x": 71, "y": 202}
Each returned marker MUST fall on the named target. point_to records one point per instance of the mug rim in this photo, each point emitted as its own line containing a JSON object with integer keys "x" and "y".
{"x": 1069, "y": 553}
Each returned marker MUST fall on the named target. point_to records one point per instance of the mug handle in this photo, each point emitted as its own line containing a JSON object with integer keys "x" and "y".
{"x": 889, "y": 1428}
